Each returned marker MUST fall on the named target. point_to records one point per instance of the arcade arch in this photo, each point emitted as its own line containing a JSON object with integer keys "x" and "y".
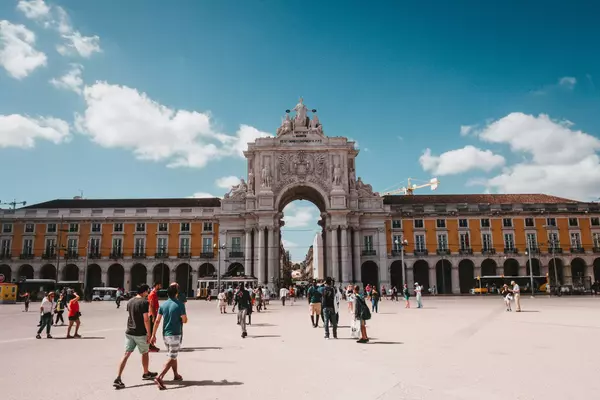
{"x": 48, "y": 271}
{"x": 207, "y": 270}
{"x": 466, "y": 275}
{"x": 420, "y": 274}
{"x": 26, "y": 271}
{"x": 94, "y": 277}
{"x": 597, "y": 269}
{"x": 511, "y": 267}
{"x": 70, "y": 273}
{"x": 161, "y": 275}
{"x": 537, "y": 270}
{"x": 556, "y": 264}
{"x": 139, "y": 276}
{"x": 369, "y": 272}
{"x": 183, "y": 276}
{"x": 396, "y": 279}
{"x": 443, "y": 272}
{"x": 235, "y": 269}
{"x": 488, "y": 267}
{"x": 7, "y": 272}
{"x": 116, "y": 276}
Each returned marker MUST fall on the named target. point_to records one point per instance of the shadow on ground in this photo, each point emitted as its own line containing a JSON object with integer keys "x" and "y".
{"x": 191, "y": 349}
{"x": 81, "y": 338}
{"x": 184, "y": 384}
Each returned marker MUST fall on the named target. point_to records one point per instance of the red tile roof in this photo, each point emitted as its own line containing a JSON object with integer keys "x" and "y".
{"x": 477, "y": 199}
{"x": 128, "y": 203}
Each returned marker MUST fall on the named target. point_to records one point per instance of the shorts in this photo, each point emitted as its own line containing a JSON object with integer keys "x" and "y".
{"x": 173, "y": 344}
{"x": 131, "y": 342}
{"x": 74, "y": 318}
{"x": 315, "y": 308}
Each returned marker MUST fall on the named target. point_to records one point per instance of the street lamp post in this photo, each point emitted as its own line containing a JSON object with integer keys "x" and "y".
{"x": 85, "y": 272}
{"x": 530, "y": 267}
{"x": 552, "y": 243}
{"x": 401, "y": 244}
{"x": 219, "y": 247}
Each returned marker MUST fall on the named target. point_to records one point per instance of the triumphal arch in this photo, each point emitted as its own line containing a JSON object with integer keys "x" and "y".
{"x": 302, "y": 163}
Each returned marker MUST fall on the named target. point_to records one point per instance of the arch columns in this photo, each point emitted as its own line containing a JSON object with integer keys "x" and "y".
{"x": 260, "y": 274}
{"x": 335, "y": 265}
{"x": 384, "y": 273}
{"x": 346, "y": 267}
{"x": 432, "y": 277}
{"x": 248, "y": 252}
{"x": 105, "y": 277}
{"x": 356, "y": 256}
{"x": 455, "y": 280}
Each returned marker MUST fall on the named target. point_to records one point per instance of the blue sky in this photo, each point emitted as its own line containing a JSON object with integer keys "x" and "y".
{"x": 156, "y": 98}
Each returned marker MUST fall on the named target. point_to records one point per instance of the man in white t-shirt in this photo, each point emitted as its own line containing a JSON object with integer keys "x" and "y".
{"x": 418, "y": 290}
{"x": 283, "y": 293}
{"x": 516, "y": 291}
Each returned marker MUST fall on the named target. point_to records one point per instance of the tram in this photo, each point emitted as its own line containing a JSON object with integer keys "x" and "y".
{"x": 208, "y": 286}
{"x": 493, "y": 284}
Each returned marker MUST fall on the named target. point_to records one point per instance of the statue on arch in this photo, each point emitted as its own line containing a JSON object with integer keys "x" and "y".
{"x": 315, "y": 125}
{"x": 337, "y": 175}
{"x": 301, "y": 110}
{"x": 286, "y": 126}
{"x": 352, "y": 179}
{"x": 266, "y": 176}
{"x": 250, "y": 182}
{"x": 238, "y": 190}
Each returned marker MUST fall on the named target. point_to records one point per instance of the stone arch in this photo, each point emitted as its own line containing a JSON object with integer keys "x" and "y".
{"x": 70, "y": 273}
{"x": 443, "y": 272}
{"x": 26, "y": 271}
{"x": 369, "y": 273}
{"x": 396, "y": 274}
{"x": 537, "y": 269}
{"x": 48, "y": 271}
{"x": 116, "y": 276}
{"x": 466, "y": 275}
{"x": 511, "y": 267}
{"x": 421, "y": 273}
{"x": 235, "y": 269}
{"x": 94, "y": 277}
{"x": 160, "y": 274}
{"x": 302, "y": 191}
{"x": 206, "y": 270}
{"x": 597, "y": 269}
{"x": 578, "y": 271}
{"x": 7, "y": 272}
{"x": 557, "y": 263}
{"x": 183, "y": 276}
{"x": 139, "y": 275}
{"x": 488, "y": 267}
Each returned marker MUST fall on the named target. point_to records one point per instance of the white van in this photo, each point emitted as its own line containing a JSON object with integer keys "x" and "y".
{"x": 104, "y": 293}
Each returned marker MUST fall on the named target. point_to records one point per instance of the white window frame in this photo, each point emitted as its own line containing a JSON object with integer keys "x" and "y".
{"x": 161, "y": 225}
{"x": 420, "y": 244}
{"x": 5, "y": 225}
{"x": 73, "y": 225}
{"x": 29, "y": 248}
{"x": 443, "y": 223}
{"x": 117, "y": 249}
{"x": 185, "y": 249}
{"x": 549, "y": 219}
{"x": 93, "y": 247}
{"x": 531, "y": 244}
{"x": 397, "y": 246}
{"x": 596, "y": 239}
{"x": 575, "y": 238}
{"x": 489, "y": 223}
{"x": 72, "y": 245}
{"x": 532, "y": 220}
{"x": 509, "y": 244}
{"x": 594, "y": 219}
{"x": 484, "y": 242}
{"x": 576, "y": 222}
{"x": 422, "y": 223}
{"x": 181, "y": 226}
{"x": 120, "y": 224}
{"x": 137, "y": 249}
{"x": 236, "y": 248}
{"x": 162, "y": 249}
{"x": 464, "y": 244}
{"x": 207, "y": 226}
{"x": 31, "y": 225}
{"x": 368, "y": 243}
{"x": 463, "y": 219}
{"x": 50, "y": 246}
{"x": 5, "y": 246}
{"x": 400, "y": 224}
{"x": 48, "y": 227}
{"x": 510, "y": 221}
{"x": 442, "y": 244}
{"x": 99, "y": 224}
{"x": 138, "y": 225}
{"x": 207, "y": 248}
{"x": 554, "y": 234}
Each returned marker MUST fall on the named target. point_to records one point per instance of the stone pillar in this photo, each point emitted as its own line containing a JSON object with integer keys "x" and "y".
{"x": 276, "y": 254}
{"x": 173, "y": 273}
{"x": 105, "y": 277}
{"x": 356, "y": 255}
{"x": 248, "y": 252}
{"x": 195, "y": 278}
{"x": 384, "y": 273}
{"x": 335, "y": 264}
{"x": 271, "y": 258}
{"x": 260, "y": 273}
{"x": 328, "y": 270}
{"x": 455, "y": 280}
{"x": 127, "y": 283}
{"x": 432, "y": 278}
{"x": 346, "y": 267}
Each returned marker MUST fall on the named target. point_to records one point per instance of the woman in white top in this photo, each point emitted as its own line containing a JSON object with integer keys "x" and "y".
{"x": 46, "y": 310}
{"x": 222, "y": 301}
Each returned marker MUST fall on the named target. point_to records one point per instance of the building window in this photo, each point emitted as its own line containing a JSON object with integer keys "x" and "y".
{"x": 185, "y": 227}
{"x": 397, "y": 224}
{"x": 486, "y": 240}
{"x": 553, "y": 240}
{"x": 532, "y": 241}
{"x": 397, "y": 243}
{"x": 529, "y": 222}
{"x": 50, "y": 249}
{"x": 71, "y": 246}
{"x": 440, "y": 223}
{"x": 28, "y": 247}
{"x": 29, "y": 228}
{"x": 163, "y": 227}
{"x": 236, "y": 244}
{"x": 184, "y": 245}
{"x": 550, "y": 221}
{"x": 418, "y": 223}
{"x": 140, "y": 227}
{"x": 140, "y": 246}
{"x": 595, "y": 238}
{"x": 465, "y": 242}
{"x": 117, "y": 246}
{"x": 463, "y": 223}
{"x": 368, "y": 243}
{"x": 485, "y": 222}
{"x": 573, "y": 222}
{"x": 96, "y": 227}
{"x": 74, "y": 227}
{"x": 162, "y": 245}
{"x": 207, "y": 245}
{"x": 94, "y": 246}
{"x": 509, "y": 241}
{"x": 575, "y": 240}
{"x": 595, "y": 221}
{"x": 507, "y": 222}
{"x": 118, "y": 227}
{"x": 50, "y": 228}
{"x": 419, "y": 242}
{"x": 442, "y": 239}
{"x": 7, "y": 228}
{"x": 207, "y": 227}
{"x": 5, "y": 248}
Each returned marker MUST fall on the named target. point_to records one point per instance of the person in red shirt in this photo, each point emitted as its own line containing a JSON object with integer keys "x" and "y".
{"x": 153, "y": 311}
{"x": 74, "y": 316}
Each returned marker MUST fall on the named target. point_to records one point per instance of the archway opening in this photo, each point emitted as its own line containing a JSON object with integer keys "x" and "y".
{"x": 7, "y": 272}
{"x": 94, "y": 277}
{"x": 597, "y": 269}
{"x": 579, "y": 272}
{"x": 25, "y": 272}
{"x": 161, "y": 275}
{"x": 466, "y": 276}
{"x": 511, "y": 267}
{"x": 138, "y": 276}
{"x": 183, "y": 276}
{"x": 421, "y": 274}
{"x": 70, "y": 273}
{"x": 488, "y": 267}
{"x": 536, "y": 267}
{"x": 116, "y": 276}
{"x": 235, "y": 269}
{"x": 443, "y": 272}
{"x": 207, "y": 270}
{"x": 370, "y": 274}
{"x": 396, "y": 275}
{"x": 48, "y": 271}
{"x": 556, "y": 270}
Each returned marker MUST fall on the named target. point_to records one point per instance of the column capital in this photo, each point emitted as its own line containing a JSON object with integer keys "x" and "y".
{"x": 248, "y": 230}
{"x": 343, "y": 227}
{"x": 270, "y": 228}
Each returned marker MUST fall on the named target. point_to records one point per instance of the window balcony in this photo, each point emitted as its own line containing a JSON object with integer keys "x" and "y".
{"x": 488, "y": 251}
{"x": 397, "y": 252}
{"x": 26, "y": 256}
{"x": 578, "y": 249}
{"x": 421, "y": 252}
{"x": 71, "y": 255}
{"x": 207, "y": 254}
{"x": 184, "y": 254}
{"x": 94, "y": 255}
{"x": 442, "y": 252}
{"x": 236, "y": 254}
{"x": 369, "y": 252}
{"x": 465, "y": 251}
{"x": 161, "y": 254}
{"x": 511, "y": 250}
{"x": 139, "y": 254}
{"x": 596, "y": 249}
{"x": 49, "y": 255}
{"x": 5, "y": 256}
{"x": 534, "y": 250}
{"x": 555, "y": 250}
{"x": 116, "y": 254}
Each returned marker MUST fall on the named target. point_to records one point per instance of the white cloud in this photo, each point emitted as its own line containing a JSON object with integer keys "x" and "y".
{"x": 121, "y": 117}
{"x": 289, "y": 244}
{"x": 75, "y": 43}
{"x": 466, "y": 129}
{"x": 17, "y": 54}
{"x": 202, "y": 195}
{"x": 34, "y": 9}
{"x": 71, "y": 80}
{"x": 299, "y": 217}
{"x": 23, "y": 131}
{"x": 567, "y": 82}
{"x": 227, "y": 182}
{"x": 460, "y": 160}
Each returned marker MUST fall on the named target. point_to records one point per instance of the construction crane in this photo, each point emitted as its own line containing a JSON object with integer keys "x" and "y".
{"x": 411, "y": 187}
{"x": 13, "y": 204}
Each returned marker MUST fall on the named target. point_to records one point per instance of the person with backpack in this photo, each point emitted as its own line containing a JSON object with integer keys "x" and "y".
{"x": 314, "y": 304}
{"x": 328, "y": 307}
{"x": 361, "y": 314}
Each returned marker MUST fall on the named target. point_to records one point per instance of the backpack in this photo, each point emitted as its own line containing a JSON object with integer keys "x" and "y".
{"x": 363, "y": 309}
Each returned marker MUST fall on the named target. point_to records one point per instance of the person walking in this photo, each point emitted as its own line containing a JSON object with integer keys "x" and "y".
{"x": 59, "y": 310}
{"x": 173, "y": 314}
{"x": 516, "y": 291}
{"x": 46, "y": 315}
{"x": 222, "y": 297}
{"x": 394, "y": 295}
{"x": 506, "y": 296}
{"x": 375, "y": 300}
{"x": 361, "y": 314}
{"x": 314, "y": 304}
{"x": 27, "y": 297}
{"x": 244, "y": 305}
{"x": 406, "y": 294}
{"x": 137, "y": 334}
{"x": 329, "y": 308}
{"x": 292, "y": 295}
{"x": 283, "y": 293}
{"x": 119, "y": 297}
{"x": 74, "y": 315}
{"x": 418, "y": 290}
{"x": 154, "y": 305}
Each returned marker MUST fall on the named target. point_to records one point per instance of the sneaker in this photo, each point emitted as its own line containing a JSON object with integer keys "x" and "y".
{"x": 77, "y": 336}
{"x": 48, "y": 336}
{"x": 361, "y": 341}
{"x": 149, "y": 376}
{"x": 118, "y": 384}
{"x": 38, "y": 337}
{"x": 244, "y": 334}
{"x": 154, "y": 349}
{"x": 326, "y": 337}
{"x": 178, "y": 378}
